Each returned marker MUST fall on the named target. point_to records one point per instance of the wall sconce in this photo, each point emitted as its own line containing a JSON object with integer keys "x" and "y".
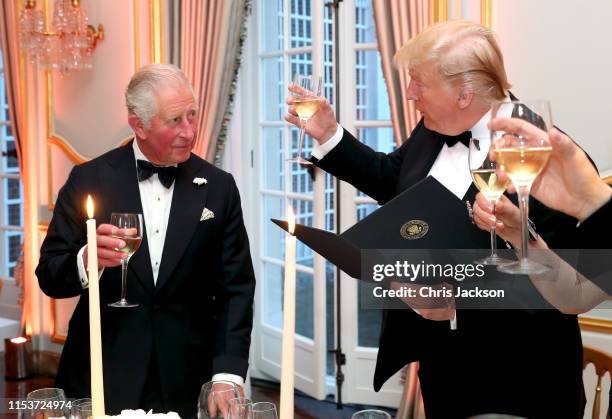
{"x": 70, "y": 42}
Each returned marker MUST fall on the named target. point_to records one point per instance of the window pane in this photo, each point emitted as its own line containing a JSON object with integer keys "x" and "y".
{"x": 301, "y": 180}
{"x": 13, "y": 188}
{"x": 304, "y": 296}
{"x": 273, "y": 89}
{"x": 11, "y": 162}
{"x": 303, "y": 215}
{"x": 301, "y": 23}
{"x": 301, "y": 64}
{"x": 330, "y": 296}
{"x": 369, "y": 326}
{"x": 274, "y": 237}
{"x": 273, "y": 294}
{"x": 273, "y": 299}
{"x": 14, "y": 246}
{"x": 273, "y": 162}
{"x": 330, "y": 219}
{"x": 363, "y": 210}
{"x": 365, "y": 31}
{"x": 328, "y": 55}
{"x": 371, "y": 92}
{"x": 379, "y": 139}
{"x": 272, "y": 25}
{"x": 14, "y": 214}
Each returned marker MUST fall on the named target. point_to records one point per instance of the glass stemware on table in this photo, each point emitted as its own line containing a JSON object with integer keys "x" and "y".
{"x": 240, "y": 408}
{"x": 129, "y": 229}
{"x": 306, "y": 103}
{"x": 522, "y": 158}
{"x": 46, "y": 403}
{"x": 485, "y": 177}
{"x": 371, "y": 414}
{"x": 264, "y": 410}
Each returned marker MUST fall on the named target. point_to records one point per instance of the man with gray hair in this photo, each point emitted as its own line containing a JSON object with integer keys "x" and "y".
{"x": 518, "y": 362}
{"x": 192, "y": 278}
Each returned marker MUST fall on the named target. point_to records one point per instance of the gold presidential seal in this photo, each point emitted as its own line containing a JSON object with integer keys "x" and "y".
{"x": 414, "y": 229}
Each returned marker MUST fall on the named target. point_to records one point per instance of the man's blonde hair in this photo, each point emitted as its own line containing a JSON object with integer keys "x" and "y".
{"x": 463, "y": 53}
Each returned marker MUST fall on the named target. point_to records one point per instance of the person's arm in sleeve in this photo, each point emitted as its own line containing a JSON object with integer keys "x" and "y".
{"x": 235, "y": 293}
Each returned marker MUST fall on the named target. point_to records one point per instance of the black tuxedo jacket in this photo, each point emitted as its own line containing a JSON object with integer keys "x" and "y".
{"x": 196, "y": 321}
{"x": 526, "y": 363}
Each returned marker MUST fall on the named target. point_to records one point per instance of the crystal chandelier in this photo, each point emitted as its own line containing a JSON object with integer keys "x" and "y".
{"x": 69, "y": 43}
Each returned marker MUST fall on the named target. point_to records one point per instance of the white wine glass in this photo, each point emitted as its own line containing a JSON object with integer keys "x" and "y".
{"x": 129, "y": 229}
{"x": 240, "y": 408}
{"x": 485, "y": 177}
{"x": 214, "y": 397}
{"x": 371, "y": 414}
{"x": 522, "y": 158}
{"x": 264, "y": 410}
{"x": 306, "y": 103}
{"x": 46, "y": 403}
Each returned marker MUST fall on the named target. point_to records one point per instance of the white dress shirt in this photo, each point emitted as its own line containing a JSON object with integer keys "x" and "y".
{"x": 156, "y": 201}
{"x": 451, "y": 167}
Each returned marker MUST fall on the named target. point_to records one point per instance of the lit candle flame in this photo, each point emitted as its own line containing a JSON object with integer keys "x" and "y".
{"x": 290, "y": 219}
{"x": 19, "y": 340}
{"x": 90, "y": 207}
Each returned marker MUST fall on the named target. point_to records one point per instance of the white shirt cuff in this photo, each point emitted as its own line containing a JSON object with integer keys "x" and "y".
{"x": 82, "y": 271}
{"x": 233, "y": 378}
{"x": 320, "y": 150}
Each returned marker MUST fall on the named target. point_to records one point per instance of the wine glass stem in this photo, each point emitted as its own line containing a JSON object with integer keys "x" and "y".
{"x": 493, "y": 234}
{"x": 302, "y": 131}
{"x": 124, "y": 265}
{"x": 523, "y": 193}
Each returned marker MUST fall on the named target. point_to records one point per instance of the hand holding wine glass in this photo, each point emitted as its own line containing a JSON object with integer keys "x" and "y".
{"x": 305, "y": 103}
{"x": 491, "y": 186}
{"x": 522, "y": 158}
{"x": 321, "y": 126}
{"x": 214, "y": 398}
{"x": 129, "y": 231}
{"x": 569, "y": 171}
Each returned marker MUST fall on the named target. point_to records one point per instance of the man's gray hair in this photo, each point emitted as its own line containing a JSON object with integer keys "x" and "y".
{"x": 140, "y": 95}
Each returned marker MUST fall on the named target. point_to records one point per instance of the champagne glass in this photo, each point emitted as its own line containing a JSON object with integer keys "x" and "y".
{"x": 239, "y": 408}
{"x": 264, "y": 410}
{"x": 371, "y": 414}
{"x": 214, "y": 397}
{"x": 129, "y": 229}
{"x": 522, "y": 158}
{"x": 306, "y": 103}
{"x": 485, "y": 177}
{"x": 80, "y": 409}
{"x": 46, "y": 403}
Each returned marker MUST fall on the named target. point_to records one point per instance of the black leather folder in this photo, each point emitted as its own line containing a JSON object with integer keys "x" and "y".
{"x": 426, "y": 216}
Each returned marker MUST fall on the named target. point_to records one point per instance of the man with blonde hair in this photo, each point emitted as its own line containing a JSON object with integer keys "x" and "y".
{"x": 518, "y": 362}
{"x": 192, "y": 278}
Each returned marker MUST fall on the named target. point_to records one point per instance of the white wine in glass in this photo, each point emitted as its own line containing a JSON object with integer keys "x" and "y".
{"x": 306, "y": 103}
{"x": 129, "y": 229}
{"x": 484, "y": 175}
{"x": 522, "y": 158}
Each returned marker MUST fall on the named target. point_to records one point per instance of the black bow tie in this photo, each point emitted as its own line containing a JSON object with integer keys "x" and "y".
{"x": 166, "y": 174}
{"x": 464, "y": 138}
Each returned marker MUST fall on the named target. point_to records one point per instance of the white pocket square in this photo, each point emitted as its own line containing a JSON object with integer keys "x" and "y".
{"x": 207, "y": 214}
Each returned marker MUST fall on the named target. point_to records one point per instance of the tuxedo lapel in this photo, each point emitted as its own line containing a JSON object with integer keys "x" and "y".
{"x": 188, "y": 201}
{"x": 120, "y": 184}
{"x": 420, "y": 157}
